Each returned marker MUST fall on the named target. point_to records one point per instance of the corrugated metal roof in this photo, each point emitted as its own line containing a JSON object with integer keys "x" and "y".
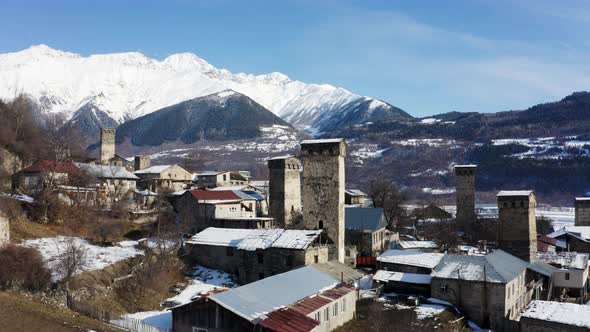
{"x": 288, "y": 320}
{"x": 364, "y": 218}
{"x": 338, "y": 270}
{"x": 252, "y": 239}
{"x": 412, "y": 258}
{"x": 516, "y": 193}
{"x": 412, "y": 278}
{"x": 296, "y": 239}
{"x": 500, "y": 267}
{"x": 260, "y": 239}
{"x": 153, "y": 169}
{"x": 417, "y": 244}
{"x": 107, "y": 171}
{"x": 255, "y": 300}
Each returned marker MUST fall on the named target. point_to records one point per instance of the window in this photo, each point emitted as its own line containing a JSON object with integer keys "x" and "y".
{"x": 224, "y": 177}
{"x": 318, "y": 316}
{"x": 260, "y": 257}
{"x": 316, "y": 259}
{"x": 321, "y": 224}
{"x": 567, "y": 276}
{"x": 443, "y": 288}
{"x": 335, "y": 309}
{"x": 229, "y": 251}
{"x": 326, "y": 314}
{"x": 343, "y": 305}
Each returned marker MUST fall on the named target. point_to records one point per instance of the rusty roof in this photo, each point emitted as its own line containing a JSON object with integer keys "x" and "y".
{"x": 288, "y": 320}
{"x": 214, "y": 195}
{"x": 52, "y": 166}
{"x": 315, "y": 302}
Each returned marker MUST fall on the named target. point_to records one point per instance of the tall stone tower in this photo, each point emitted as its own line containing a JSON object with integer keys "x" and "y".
{"x": 107, "y": 145}
{"x": 582, "y": 211}
{"x": 517, "y": 228}
{"x": 465, "y": 195}
{"x": 141, "y": 162}
{"x": 284, "y": 190}
{"x": 4, "y": 230}
{"x": 323, "y": 189}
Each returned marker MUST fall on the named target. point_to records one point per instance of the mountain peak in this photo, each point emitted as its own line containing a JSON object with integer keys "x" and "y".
{"x": 184, "y": 61}
{"x": 43, "y": 50}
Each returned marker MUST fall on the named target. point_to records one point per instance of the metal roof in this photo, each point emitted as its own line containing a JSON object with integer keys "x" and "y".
{"x": 289, "y": 320}
{"x": 411, "y": 258}
{"x": 340, "y": 271}
{"x": 364, "y": 219}
{"x": 153, "y": 169}
{"x": 322, "y": 141}
{"x": 255, "y": 300}
{"x": 214, "y": 195}
{"x": 252, "y": 239}
{"x": 496, "y": 267}
{"x": 52, "y": 166}
{"x": 107, "y": 171}
{"x": 515, "y": 193}
{"x": 411, "y": 278}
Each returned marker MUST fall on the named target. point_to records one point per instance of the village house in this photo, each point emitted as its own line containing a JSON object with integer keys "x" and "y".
{"x": 219, "y": 208}
{"x": 45, "y": 172}
{"x": 117, "y": 160}
{"x": 408, "y": 261}
{"x": 570, "y": 277}
{"x": 253, "y": 254}
{"x": 545, "y": 316}
{"x": 249, "y": 192}
{"x": 424, "y": 246}
{"x": 170, "y": 177}
{"x": 212, "y": 179}
{"x": 116, "y": 181}
{"x": 355, "y": 197}
{"x": 365, "y": 229}
{"x": 490, "y": 289}
{"x": 546, "y": 244}
{"x": 430, "y": 213}
{"x": 572, "y": 238}
{"x": 304, "y": 299}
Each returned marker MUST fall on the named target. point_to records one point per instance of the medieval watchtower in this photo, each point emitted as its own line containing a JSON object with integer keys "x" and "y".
{"x": 284, "y": 190}
{"x": 107, "y": 145}
{"x": 517, "y": 228}
{"x": 323, "y": 189}
{"x": 141, "y": 162}
{"x": 465, "y": 195}
{"x": 582, "y": 211}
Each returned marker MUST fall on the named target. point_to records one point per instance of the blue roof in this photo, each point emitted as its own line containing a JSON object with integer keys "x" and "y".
{"x": 253, "y": 301}
{"x": 254, "y": 194}
{"x": 364, "y": 218}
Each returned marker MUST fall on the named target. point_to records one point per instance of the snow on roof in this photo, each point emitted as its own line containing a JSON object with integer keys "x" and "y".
{"x": 355, "y": 192}
{"x": 500, "y": 267}
{"x": 281, "y": 157}
{"x": 209, "y": 173}
{"x": 582, "y": 232}
{"x": 565, "y": 259}
{"x": 228, "y": 188}
{"x": 559, "y": 312}
{"x": 107, "y": 171}
{"x": 413, "y": 258}
{"x": 417, "y": 244}
{"x": 255, "y": 300}
{"x": 515, "y": 193}
{"x": 145, "y": 192}
{"x": 153, "y": 169}
{"x": 296, "y": 239}
{"x": 321, "y": 141}
{"x": 252, "y": 239}
{"x": 542, "y": 268}
{"x": 412, "y": 278}
{"x": 582, "y": 198}
{"x": 465, "y": 166}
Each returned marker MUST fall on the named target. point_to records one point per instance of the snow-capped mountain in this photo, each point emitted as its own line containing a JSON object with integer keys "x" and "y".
{"x": 124, "y": 86}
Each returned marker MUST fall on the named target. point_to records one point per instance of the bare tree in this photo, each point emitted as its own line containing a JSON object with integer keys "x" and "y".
{"x": 71, "y": 259}
{"x": 386, "y": 195}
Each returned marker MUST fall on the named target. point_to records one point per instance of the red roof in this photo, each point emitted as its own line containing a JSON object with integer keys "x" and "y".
{"x": 543, "y": 243}
{"x": 288, "y": 320}
{"x": 52, "y": 166}
{"x": 214, "y": 195}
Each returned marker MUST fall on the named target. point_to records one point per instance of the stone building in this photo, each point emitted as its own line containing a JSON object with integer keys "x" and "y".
{"x": 570, "y": 276}
{"x": 365, "y": 229}
{"x": 170, "y": 177}
{"x": 107, "y": 145}
{"x": 4, "y": 229}
{"x": 323, "y": 189}
{"x": 253, "y": 254}
{"x": 582, "y": 211}
{"x": 465, "y": 195}
{"x": 545, "y": 316}
{"x": 489, "y": 289}
{"x": 355, "y": 197}
{"x": 305, "y": 299}
{"x": 212, "y": 179}
{"x": 517, "y": 227}
{"x": 284, "y": 190}
{"x": 141, "y": 162}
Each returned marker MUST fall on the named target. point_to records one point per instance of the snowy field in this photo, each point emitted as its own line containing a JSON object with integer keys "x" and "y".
{"x": 96, "y": 257}
{"x": 203, "y": 281}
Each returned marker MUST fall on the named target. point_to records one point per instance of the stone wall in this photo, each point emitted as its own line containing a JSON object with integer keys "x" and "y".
{"x": 582, "y": 211}
{"x": 4, "y": 229}
{"x": 141, "y": 162}
{"x": 517, "y": 227}
{"x": 284, "y": 190}
{"x": 323, "y": 190}
{"x": 107, "y": 145}
{"x": 465, "y": 195}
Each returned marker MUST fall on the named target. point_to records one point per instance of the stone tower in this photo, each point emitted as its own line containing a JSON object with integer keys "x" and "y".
{"x": 582, "y": 211}
{"x": 4, "y": 230}
{"x": 323, "y": 189}
{"x": 141, "y": 162}
{"x": 465, "y": 195}
{"x": 284, "y": 190}
{"x": 517, "y": 228}
{"x": 107, "y": 145}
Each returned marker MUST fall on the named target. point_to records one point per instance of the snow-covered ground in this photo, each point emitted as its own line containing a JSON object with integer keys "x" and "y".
{"x": 203, "y": 281}
{"x": 96, "y": 257}
{"x": 548, "y": 147}
{"x": 438, "y": 191}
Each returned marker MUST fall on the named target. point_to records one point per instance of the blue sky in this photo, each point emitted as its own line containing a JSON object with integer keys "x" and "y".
{"x": 426, "y": 57}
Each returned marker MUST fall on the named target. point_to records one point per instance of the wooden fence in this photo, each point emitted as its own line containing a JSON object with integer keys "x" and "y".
{"x": 127, "y": 323}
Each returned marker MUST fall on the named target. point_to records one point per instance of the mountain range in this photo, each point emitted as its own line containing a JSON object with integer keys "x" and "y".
{"x": 110, "y": 89}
